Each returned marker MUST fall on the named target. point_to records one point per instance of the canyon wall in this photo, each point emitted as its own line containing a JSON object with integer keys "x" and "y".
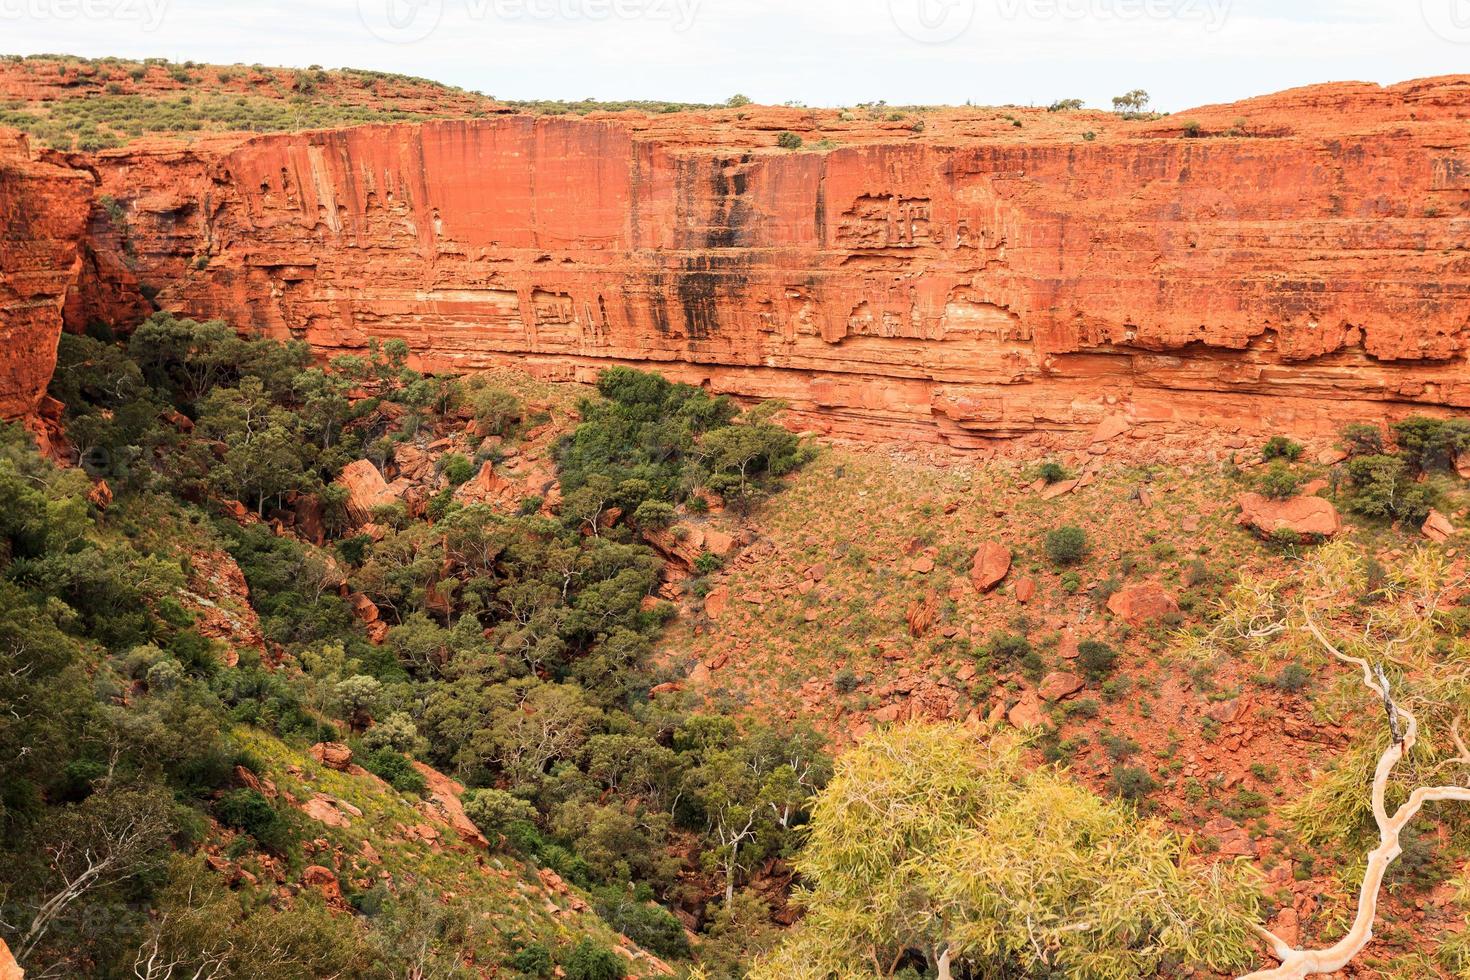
{"x": 43, "y": 216}
{"x": 1285, "y": 262}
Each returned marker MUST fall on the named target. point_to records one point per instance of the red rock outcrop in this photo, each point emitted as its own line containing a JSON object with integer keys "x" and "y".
{"x": 1140, "y": 605}
{"x": 1439, "y": 528}
{"x": 43, "y": 217}
{"x": 9, "y": 969}
{"x": 991, "y": 565}
{"x": 1302, "y": 261}
{"x": 1307, "y": 517}
{"x": 366, "y": 490}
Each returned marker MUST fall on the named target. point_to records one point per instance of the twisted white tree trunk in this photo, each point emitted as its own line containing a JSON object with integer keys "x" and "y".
{"x": 1297, "y": 964}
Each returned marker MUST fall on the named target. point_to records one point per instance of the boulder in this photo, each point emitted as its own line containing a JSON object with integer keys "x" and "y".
{"x": 1068, "y": 649}
{"x": 717, "y": 602}
{"x": 311, "y": 518}
{"x": 1287, "y": 925}
{"x": 414, "y": 463}
{"x": 324, "y": 882}
{"x": 991, "y": 566}
{"x": 1438, "y": 528}
{"x": 682, "y": 544}
{"x": 1027, "y": 712}
{"x": 1143, "y": 604}
{"x": 922, "y": 612}
{"x": 442, "y": 798}
{"x": 1110, "y": 428}
{"x": 100, "y": 496}
{"x": 1060, "y": 489}
{"x": 1311, "y": 518}
{"x": 1025, "y": 590}
{"x": 333, "y": 755}
{"x": 364, "y": 609}
{"x": 9, "y": 969}
{"x": 324, "y": 810}
{"x": 1462, "y": 465}
{"x": 366, "y": 490}
{"x": 1060, "y": 687}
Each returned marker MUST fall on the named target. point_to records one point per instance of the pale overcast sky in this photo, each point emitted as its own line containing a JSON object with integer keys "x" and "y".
{"x": 820, "y": 52}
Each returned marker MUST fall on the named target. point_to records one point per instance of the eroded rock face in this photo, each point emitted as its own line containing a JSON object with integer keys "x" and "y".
{"x": 984, "y": 282}
{"x": 43, "y": 218}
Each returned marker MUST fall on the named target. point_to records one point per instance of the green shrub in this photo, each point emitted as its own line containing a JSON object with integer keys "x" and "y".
{"x": 1096, "y": 659}
{"x": 1384, "y": 487}
{"x": 1362, "y": 439}
{"x": 1052, "y": 472}
{"x": 1131, "y": 783}
{"x": 1279, "y": 482}
{"x": 654, "y": 514}
{"x": 249, "y": 811}
{"x": 1014, "y": 651}
{"x": 457, "y": 469}
{"x": 532, "y": 961}
{"x": 1432, "y": 444}
{"x": 789, "y": 141}
{"x": 1066, "y": 546}
{"x": 497, "y": 812}
{"x": 395, "y": 770}
{"x": 1294, "y": 678}
{"x": 1280, "y": 447}
{"x": 708, "y": 563}
{"x": 590, "y": 960}
{"x": 651, "y": 926}
{"x": 496, "y": 410}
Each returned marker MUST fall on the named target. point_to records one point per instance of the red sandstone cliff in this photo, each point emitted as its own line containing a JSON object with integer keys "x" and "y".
{"x": 1305, "y": 258}
{"x": 43, "y": 216}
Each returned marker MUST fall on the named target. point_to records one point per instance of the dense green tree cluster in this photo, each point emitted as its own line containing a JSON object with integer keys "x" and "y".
{"x": 115, "y": 735}
{"x": 519, "y": 650}
{"x": 1402, "y": 485}
{"x": 648, "y": 440}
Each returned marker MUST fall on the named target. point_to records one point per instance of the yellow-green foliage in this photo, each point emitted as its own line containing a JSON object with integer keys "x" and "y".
{"x": 934, "y": 838}
{"x": 1394, "y": 618}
